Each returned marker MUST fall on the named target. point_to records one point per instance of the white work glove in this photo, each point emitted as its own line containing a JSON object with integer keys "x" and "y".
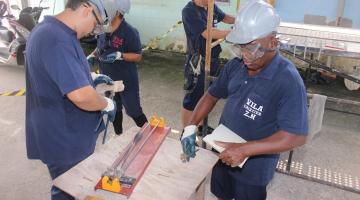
{"x": 101, "y": 78}
{"x": 112, "y": 57}
{"x": 110, "y": 109}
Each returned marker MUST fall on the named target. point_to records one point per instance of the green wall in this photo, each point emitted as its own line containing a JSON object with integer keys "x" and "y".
{"x": 154, "y": 18}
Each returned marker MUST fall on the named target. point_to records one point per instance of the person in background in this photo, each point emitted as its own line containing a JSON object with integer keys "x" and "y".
{"x": 118, "y": 51}
{"x": 194, "y": 18}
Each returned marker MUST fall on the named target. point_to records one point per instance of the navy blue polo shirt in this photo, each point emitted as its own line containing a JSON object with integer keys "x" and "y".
{"x": 57, "y": 132}
{"x": 124, "y": 39}
{"x": 257, "y": 107}
{"x": 194, "y": 19}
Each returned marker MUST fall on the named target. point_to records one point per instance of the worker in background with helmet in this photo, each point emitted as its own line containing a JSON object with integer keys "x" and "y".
{"x": 194, "y": 18}
{"x": 266, "y": 105}
{"x": 63, "y": 110}
{"x": 118, "y": 51}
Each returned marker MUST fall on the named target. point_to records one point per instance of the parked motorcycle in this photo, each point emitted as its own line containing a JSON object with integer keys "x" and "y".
{"x": 14, "y": 32}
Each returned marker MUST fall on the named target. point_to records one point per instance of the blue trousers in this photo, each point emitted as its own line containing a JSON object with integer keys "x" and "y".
{"x": 194, "y": 91}
{"x": 226, "y": 187}
{"x": 55, "y": 171}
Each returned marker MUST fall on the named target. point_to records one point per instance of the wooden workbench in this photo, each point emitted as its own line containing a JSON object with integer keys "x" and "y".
{"x": 165, "y": 178}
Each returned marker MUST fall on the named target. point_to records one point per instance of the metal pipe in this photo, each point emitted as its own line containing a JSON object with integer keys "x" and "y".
{"x": 125, "y": 167}
{"x": 319, "y": 65}
{"x": 136, "y": 139}
{"x": 288, "y": 164}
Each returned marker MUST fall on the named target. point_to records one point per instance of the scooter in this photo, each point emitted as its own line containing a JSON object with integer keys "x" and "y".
{"x": 15, "y": 32}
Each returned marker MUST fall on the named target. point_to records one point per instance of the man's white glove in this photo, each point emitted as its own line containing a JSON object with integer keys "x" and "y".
{"x": 110, "y": 109}
{"x": 112, "y": 57}
{"x": 188, "y": 140}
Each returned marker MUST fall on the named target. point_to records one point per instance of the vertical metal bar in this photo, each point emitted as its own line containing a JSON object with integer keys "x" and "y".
{"x": 210, "y": 19}
{"x": 105, "y": 131}
{"x": 237, "y": 5}
{"x": 321, "y": 48}
{"x": 288, "y": 164}
{"x": 306, "y": 45}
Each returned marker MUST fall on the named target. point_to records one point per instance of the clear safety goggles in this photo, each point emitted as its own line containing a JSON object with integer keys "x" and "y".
{"x": 101, "y": 26}
{"x": 250, "y": 52}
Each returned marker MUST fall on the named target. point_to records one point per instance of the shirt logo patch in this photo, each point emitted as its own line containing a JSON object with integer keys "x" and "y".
{"x": 117, "y": 42}
{"x": 252, "y": 110}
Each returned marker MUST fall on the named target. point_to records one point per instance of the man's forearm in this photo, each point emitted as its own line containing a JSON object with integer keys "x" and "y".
{"x": 229, "y": 19}
{"x": 216, "y": 33}
{"x": 281, "y": 141}
{"x": 132, "y": 57}
{"x": 86, "y": 98}
{"x": 203, "y": 108}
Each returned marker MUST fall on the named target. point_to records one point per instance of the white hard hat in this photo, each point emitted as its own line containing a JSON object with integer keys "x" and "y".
{"x": 109, "y": 9}
{"x": 112, "y": 7}
{"x": 124, "y": 6}
{"x": 100, "y": 7}
{"x": 256, "y": 19}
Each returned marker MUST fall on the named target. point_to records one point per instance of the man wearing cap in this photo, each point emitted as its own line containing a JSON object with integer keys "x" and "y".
{"x": 63, "y": 110}
{"x": 118, "y": 51}
{"x": 266, "y": 105}
{"x": 194, "y": 17}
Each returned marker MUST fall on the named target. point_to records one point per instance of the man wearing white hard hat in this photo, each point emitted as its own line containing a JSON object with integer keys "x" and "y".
{"x": 63, "y": 110}
{"x": 118, "y": 51}
{"x": 266, "y": 105}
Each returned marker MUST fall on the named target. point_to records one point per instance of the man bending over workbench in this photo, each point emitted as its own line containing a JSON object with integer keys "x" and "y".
{"x": 63, "y": 110}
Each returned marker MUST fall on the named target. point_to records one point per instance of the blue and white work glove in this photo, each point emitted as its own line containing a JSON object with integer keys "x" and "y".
{"x": 101, "y": 78}
{"x": 91, "y": 59}
{"x": 110, "y": 109}
{"x": 188, "y": 140}
{"x": 111, "y": 58}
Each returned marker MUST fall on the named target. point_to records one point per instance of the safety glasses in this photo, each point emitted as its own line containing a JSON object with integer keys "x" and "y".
{"x": 251, "y": 52}
{"x": 96, "y": 18}
{"x": 100, "y": 27}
